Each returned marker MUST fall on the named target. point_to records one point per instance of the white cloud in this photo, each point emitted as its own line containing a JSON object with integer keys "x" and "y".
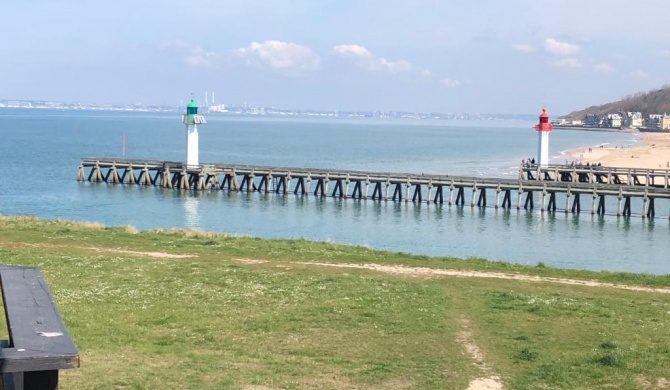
{"x": 363, "y": 58}
{"x": 639, "y": 73}
{"x": 192, "y": 55}
{"x": 603, "y": 67}
{"x": 570, "y": 63}
{"x": 280, "y": 55}
{"x": 200, "y": 58}
{"x": 523, "y": 48}
{"x": 559, "y": 48}
{"x": 664, "y": 53}
{"x": 452, "y": 83}
{"x": 426, "y": 73}
{"x": 352, "y": 50}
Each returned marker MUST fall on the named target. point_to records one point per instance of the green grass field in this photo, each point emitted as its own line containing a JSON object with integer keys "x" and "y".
{"x": 244, "y": 313}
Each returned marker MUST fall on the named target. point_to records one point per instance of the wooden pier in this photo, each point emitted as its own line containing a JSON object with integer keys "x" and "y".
{"x": 553, "y": 188}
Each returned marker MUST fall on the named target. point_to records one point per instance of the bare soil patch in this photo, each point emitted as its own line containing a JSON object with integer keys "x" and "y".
{"x": 161, "y": 255}
{"x": 432, "y": 272}
{"x": 489, "y": 382}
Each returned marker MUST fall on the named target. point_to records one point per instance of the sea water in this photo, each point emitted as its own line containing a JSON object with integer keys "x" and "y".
{"x": 40, "y": 152}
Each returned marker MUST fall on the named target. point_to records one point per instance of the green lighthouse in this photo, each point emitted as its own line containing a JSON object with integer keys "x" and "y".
{"x": 191, "y": 119}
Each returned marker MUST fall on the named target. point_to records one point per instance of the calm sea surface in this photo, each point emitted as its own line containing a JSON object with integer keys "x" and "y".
{"x": 40, "y": 151}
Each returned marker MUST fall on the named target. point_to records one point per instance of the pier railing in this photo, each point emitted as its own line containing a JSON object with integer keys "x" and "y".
{"x": 659, "y": 178}
{"x": 549, "y": 183}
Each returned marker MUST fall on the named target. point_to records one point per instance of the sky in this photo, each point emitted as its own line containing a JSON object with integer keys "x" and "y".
{"x": 474, "y": 56}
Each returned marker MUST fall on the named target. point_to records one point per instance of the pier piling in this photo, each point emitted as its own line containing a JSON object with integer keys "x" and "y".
{"x": 571, "y": 182}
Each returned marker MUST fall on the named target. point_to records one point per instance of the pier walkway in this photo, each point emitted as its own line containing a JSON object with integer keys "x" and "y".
{"x": 555, "y": 186}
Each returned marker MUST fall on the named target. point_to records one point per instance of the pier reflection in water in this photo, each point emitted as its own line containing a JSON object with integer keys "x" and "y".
{"x": 191, "y": 213}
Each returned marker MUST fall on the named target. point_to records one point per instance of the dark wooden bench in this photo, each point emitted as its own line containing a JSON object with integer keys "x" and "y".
{"x": 39, "y": 344}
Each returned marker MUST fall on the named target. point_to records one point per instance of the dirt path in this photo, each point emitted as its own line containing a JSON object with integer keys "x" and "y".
{"x": 160, "y": 255}
{"x": 489, "y": 381}
{"x": 389, "y": 269}
{"x": 429, "y": 272}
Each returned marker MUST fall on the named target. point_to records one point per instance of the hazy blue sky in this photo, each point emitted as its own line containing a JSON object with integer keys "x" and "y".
{"x": 510, "y": 56}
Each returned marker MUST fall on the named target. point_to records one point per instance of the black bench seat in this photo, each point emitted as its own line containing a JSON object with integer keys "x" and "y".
{"x": 39, "y": 344}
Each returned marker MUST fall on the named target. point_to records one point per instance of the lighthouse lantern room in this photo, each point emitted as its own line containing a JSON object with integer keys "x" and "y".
{"x": 191, "y": 119}
{"x": 543, "y": 129}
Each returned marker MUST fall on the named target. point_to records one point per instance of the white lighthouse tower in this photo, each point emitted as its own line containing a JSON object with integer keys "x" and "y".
{"x": 543, "y": 129}
{"x": 191, "y": 119}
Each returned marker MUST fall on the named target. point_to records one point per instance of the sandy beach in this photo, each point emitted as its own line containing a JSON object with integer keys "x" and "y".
{"x": 652, "y": 152}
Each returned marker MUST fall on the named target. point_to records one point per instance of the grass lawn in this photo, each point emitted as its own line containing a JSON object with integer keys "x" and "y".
{"x": 226, "y": 312}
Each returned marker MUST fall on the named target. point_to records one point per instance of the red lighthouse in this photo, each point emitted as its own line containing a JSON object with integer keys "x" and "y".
{"x": 543, "y": 129}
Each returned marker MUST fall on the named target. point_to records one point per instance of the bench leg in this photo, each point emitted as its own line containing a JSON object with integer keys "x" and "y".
{"x": 32, "y": 380}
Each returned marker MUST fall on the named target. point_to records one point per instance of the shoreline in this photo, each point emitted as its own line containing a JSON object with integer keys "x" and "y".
{"x": 651, "y": 152}
{"x": 285, "y": 250}
{"x": 596, "y": 129}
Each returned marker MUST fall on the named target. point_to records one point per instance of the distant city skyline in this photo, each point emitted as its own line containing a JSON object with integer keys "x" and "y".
{"x": 425, "y": 55}
{"x": 256, "y": 110}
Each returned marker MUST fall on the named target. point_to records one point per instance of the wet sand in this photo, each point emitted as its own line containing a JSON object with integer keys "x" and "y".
{"x": 652, "y": 152}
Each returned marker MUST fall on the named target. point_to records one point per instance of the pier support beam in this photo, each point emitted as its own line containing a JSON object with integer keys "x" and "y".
{"x": 345, "y": 193}
{"x": 337, "y": 190}
{"x": 551, "y": 207}
{"x": 529, "y": 201}
{"x": 300, "y": 187}
{"x": 408, "y": 187}
{"x": 507, "y": 203}
{"x": 626, "y": 207}
{"x": 601, "y": 205}
{"x": 95, "y": 175}
{"x": 576, "y": 204}
{"x": 417, "y": 193}
{"x": 81, "y": 173}
{"x": 438, "y": 195}
{"x": 594, "y": 196}
{"x": 481, "y": 201}
{"x": 460, "y": 197}
{"x": 397, "y": 193}
{"x": 430, "y": 190}
{"x": 377, "y": 191}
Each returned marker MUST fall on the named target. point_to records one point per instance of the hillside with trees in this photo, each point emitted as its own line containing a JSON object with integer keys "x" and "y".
{"x": 652, "y": 102}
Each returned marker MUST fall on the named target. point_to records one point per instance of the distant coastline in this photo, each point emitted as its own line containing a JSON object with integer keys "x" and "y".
{"x": 652, "y": 152}
{"x": 264, "y": 111}
{"x": 600, "y": 129}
